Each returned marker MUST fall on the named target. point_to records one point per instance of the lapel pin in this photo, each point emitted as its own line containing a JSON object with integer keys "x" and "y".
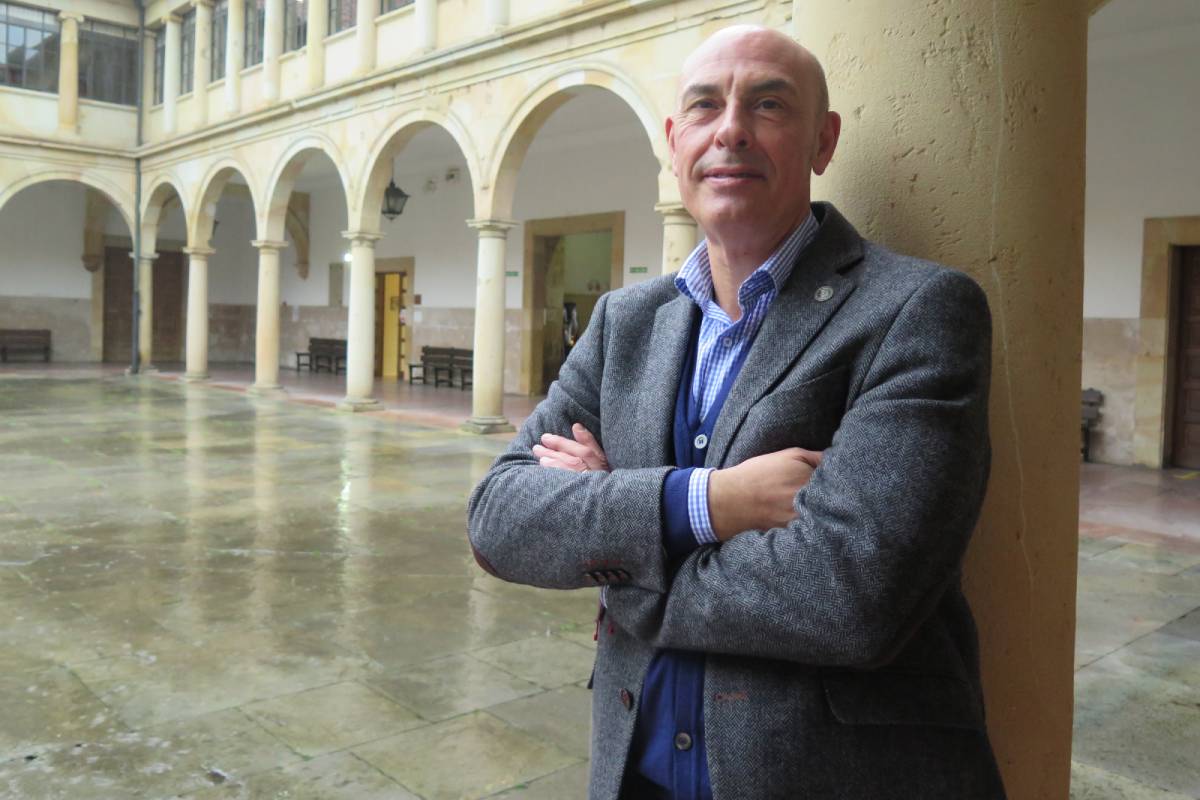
{"x": 824, "y": 293}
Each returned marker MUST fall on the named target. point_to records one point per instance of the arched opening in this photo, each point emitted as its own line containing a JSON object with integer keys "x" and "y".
{"x": 62, "y": 238}
{"x": 224, "y": 220}
{"x": 584, "y": 196}
{"x": 163, "y": 282}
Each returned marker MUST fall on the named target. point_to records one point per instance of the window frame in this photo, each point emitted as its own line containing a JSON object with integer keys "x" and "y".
{"x": 97, "y": 43}
{"x": 45, "y": 63}
{"x": 160, "y": 62}
{"x": 253, "y": 33}
{"x": 218, "y": 33}
{"x": 295, "y": 25}
{"x": 187, "y": 53}
{"x": 347, "y": 10}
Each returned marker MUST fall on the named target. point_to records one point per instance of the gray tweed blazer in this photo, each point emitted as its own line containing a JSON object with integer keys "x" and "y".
{"x": 841, "y": 656}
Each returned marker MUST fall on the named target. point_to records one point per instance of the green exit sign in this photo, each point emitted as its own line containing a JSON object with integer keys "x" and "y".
{"x": 512, "y": 273}
{"x": 638, "y": 270}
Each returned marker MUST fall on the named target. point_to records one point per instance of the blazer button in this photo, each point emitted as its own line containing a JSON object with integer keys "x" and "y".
{"x": 683, "y": 741}
{"x": 700, "y": 442}
{"x": 626, "y": 699}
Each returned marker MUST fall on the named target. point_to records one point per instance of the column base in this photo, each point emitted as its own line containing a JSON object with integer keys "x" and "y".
{"x": 485, "y": 425}
{"x": 149, "y": 369}
{"x": 266, "y": 391}
{"x": 354, "y": 404}
{"x": 200, "y": 377}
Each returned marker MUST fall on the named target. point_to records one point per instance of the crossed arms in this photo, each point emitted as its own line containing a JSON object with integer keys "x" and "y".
{"x": 833, "y": 561}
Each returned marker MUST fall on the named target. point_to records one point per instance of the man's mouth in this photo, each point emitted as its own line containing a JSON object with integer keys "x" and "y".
{"x": 731, "y": 175}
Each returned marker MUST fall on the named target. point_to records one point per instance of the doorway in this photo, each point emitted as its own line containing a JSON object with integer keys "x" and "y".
{"x": 393, "y": 295}
{"x": 170, "y": 289}
{"x": 1185, "y": 422}
{"x": 569, "y": 263}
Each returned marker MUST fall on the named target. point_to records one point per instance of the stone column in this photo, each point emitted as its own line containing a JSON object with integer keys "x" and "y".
{"x": 963, "y": 142}
{"x": 273, "y": 49}
{"x": 149, "y": 38}
{"x": 679, "y": 235}
{"x": 202, "y": 61}
{"x": 68, "y": 73}
{"x": 266, "y": 329}
{"x": 145, "y": 283}
{"x": 360, "y": 341}
{"x": 197, "y": 313}
{"x": 426, "y": 18}
{"x": 235, "y": 38}
{"x": 365, "y": 38}
{"x": 318, "y": 29}
{"x": 487, "y": 391}
{"x": 496, "y": 13}
{"x": 172, "y": 64}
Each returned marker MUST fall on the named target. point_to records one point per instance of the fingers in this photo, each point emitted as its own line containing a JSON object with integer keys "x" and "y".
{"x": 552, "y": 458}
{"x": 567, "y": 446}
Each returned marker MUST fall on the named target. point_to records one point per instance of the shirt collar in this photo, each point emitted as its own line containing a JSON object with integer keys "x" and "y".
{"x": 694, "y": 278}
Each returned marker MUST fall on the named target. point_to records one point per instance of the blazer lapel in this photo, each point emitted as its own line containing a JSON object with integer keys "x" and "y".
{"x": 814, "y": 291}
{"x": 659, "y": 382}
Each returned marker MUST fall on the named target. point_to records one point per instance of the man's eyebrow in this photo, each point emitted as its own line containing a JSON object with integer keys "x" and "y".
{"x": 698, "y": 89}
{"x": 773, "y": 85}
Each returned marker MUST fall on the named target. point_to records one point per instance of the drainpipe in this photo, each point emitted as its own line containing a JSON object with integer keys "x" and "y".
{"x": 135, "y": 365}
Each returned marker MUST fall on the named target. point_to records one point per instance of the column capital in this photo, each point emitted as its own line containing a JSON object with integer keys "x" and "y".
{"x": 72, "y": 16}
{"x": 202, "y": 252}
{"x": 198, "y": 3}
{"x": 267, "y": 244}
{"x": 93, "y": 262}
{"x": 492, "y": 228}
{"x": 675, "y": 212}
{"x": 172, "y": 19}
{"x": 367, "y": 238}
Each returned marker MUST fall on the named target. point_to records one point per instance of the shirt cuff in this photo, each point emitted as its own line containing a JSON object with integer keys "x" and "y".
{"x": 686, "y": 522}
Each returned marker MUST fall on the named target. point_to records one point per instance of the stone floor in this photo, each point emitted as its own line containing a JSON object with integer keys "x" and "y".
{"x": 208, "y": 595}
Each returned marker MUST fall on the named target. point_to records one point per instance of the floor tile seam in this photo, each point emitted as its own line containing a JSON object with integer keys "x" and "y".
{"x": 471, "y": 654}
{"x": 371, "y": 766}
{"x": 1139, "y": 779}
{"x": 1137, "y": 639}
{"x": 542, "y": 777}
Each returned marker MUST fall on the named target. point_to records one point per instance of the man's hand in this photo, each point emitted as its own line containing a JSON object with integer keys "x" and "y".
{"x": 581, "y": 454}
{"x": 759, "y": 493}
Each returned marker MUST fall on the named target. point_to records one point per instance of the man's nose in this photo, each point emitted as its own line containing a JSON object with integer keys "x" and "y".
{"x": 734, "y": 132}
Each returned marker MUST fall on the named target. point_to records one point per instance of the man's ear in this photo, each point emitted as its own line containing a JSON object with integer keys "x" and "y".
{"x": 670, "y": 127}
{"x": 827, "y": 139}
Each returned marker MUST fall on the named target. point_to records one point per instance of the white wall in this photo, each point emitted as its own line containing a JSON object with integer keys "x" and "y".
{"x": 1143, "y": 152}
{"x": 233, "y": 267}
{"x": 41, "y": 243}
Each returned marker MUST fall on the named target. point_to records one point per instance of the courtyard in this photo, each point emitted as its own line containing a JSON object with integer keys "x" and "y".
{"x": 208, "y": 594}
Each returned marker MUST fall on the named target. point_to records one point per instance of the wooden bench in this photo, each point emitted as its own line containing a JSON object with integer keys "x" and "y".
{"x": 323, "y": 354}
{"x": 445, "y": 364}
{"x": 14, "y": 341}
{"x": 1089, "y": 418}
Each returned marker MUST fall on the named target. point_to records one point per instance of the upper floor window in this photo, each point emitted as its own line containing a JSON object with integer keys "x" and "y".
{"x": 187, "y": 53}
{"x": 391, "y": 5}
{"x": 108, "y": 62}
{"x": 160, "y": 61}
{"x": 252, "y": 52}
{"x": 295, "y": 24}
{"x": 29, "y": 47}
{"x": 341, "y": 15}
{"x": 220, "y": 24}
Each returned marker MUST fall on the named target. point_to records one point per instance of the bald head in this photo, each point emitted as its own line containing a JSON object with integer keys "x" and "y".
{"x": 756, "y": 42}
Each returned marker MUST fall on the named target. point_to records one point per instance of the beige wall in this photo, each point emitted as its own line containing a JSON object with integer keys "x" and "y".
{"x": 69, "y": 321}
{"x": 1110, "y": 350}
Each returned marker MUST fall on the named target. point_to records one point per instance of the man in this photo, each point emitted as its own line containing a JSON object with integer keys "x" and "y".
{"x": 772, "y": 462}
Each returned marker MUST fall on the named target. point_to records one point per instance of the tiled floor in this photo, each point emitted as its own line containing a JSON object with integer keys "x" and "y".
{"x": 210, "y": 595}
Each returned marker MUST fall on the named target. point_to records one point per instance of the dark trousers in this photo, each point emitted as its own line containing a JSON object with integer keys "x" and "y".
{"x": 635, "y": 787}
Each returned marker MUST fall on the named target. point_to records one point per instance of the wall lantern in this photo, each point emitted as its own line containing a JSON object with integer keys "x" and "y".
{"x": 394, "y": 199}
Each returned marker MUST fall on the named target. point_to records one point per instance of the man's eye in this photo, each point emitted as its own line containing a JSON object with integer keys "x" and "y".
{"x": 770, "y": 105}
{"x": 704, "y": 104}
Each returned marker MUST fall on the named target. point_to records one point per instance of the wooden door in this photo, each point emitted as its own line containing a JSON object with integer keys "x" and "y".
{"x": 1186, "y": 449}
{"x": 170, "y": 287}
{"x": 118, "y": 305}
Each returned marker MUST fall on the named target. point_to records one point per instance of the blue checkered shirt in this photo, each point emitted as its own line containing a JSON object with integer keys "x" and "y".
{"x": 722, "y": 340}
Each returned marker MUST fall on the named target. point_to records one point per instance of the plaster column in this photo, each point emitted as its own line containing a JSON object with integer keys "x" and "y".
{"x": 360, "y": 340}
{"x": 235, "y": 38}
{"x": 202, "y": 61}
{"x": 68, "y": 73}
{"x": 365, "y": 36}
{"x": 149, "y": 38}
{"x": 679, "y": 235}
{"x": 266, "y": 329}
{"x": 318, "y": 29}
{"x": 172, "y": 64}
{"x": 145, "y": 322}
{"x": 496, "y": 13}
{"x": 273, "y": 49}
{"x": 487, "y": 390}
{"x": 963, "y": 142}
{"x": 426, "y": 17}
{"x": 197, "y": 313}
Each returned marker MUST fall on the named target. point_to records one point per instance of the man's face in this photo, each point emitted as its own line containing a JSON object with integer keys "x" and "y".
{"x": 748, "y": 134}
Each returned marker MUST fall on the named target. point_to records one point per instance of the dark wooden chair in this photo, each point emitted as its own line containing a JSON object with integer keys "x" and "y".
{"x": 323, "y": 354}
{"x": 444, "y": 364}
{"x": 24, "y": 342}
{"x": 1090, "y": 415}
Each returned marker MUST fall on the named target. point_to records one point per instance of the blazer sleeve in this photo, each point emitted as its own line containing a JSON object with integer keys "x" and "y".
{"x": 882, "y": 526}
{"x": 564, "y": 530}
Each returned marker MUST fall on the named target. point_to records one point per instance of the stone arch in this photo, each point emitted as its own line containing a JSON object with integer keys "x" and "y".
{"x": 122, "y": 201}
{"x": 272, "y": 215}
{"x": 521, "y": 128}
{"x": 364, "y": 215}
{"x": 156, "y": 197}
{"x": 204, "y": 207}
